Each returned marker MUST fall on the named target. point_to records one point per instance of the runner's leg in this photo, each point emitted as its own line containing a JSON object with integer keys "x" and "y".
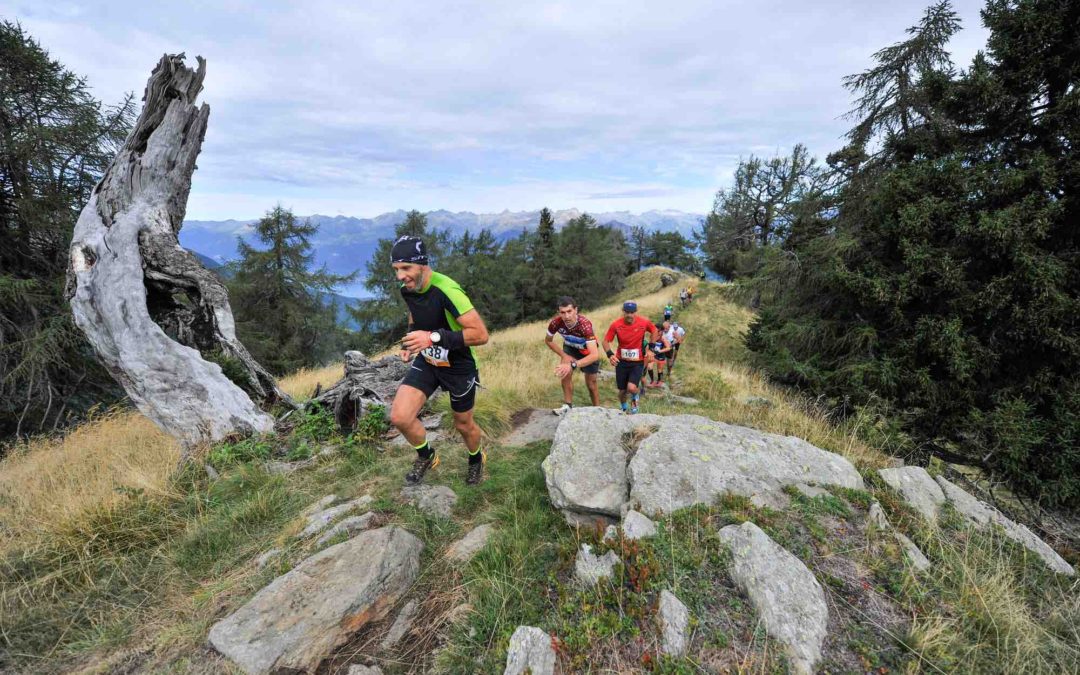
{"x": 593, "y": 386}
{"x": 403, "y": 414}
{"x": 468, "y": 428}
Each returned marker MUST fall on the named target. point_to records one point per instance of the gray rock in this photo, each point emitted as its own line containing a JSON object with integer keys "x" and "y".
{"x": 530, "y": 652}
{"x": 211, "y": 472}
{"x": 637, "y": 526}
{"x": 323, "y": 503}
{"x": 401, "y": 626}
{"x": 465, "y": 548}
{"x": 683, "y": 400}
{"x": 287, "y": 467}
{"x": 301, "y": 617}
{"x": 433, "y": 421}
{"x": 983, "y": 516}
{"x": 917, "y": 488}
{"x": 914, "y": 556}
{"x": 327, "y": 451}
{"x": 694, "y": 460}
{"x": 787, "y": 597}
{"x": 357, "y": 669}
{"x": 538, "y": 425}
{"x": 320, "y": 520}
{"x": 590, "y": 568}
{"x": 590, "y": 520}
{"x": 667, "y": 279}
{"x": 674, "y": 625}
{"x": 877, "y": 516}
{"x": 264, "y": 559}
{"x": 586, "y": 470}
{"x": 435, "y": 500}
{"x": 757, "y": 402}
{"x": 350, "y": 525}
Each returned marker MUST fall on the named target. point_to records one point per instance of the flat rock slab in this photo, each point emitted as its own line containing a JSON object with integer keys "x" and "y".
{"x": 674, "y": 621}
{"x": 586, "y": 470}
{"x": 320, "y": 520}
{"x": 530, "y": 652}
{"x": 401, "y": 625}
{"x": 917, "y": 488}
{"x": 350, "y": 526}
{"x": 434, "y": 500}
{"x": 264, "y": 559}
{"x": 323, "y": 503}
{"x": 982, "y": 515}
{"x": 465, "y": 548}
{"x": 694, "y": 460}
{"x": 537, "y": 424}
{"x": 301, "y": 617}
{"x": 787, "y": 597}
{"x": 590, "y": 568}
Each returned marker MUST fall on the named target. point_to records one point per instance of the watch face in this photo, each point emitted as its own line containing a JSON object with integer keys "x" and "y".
{"x": 435, "y": 337}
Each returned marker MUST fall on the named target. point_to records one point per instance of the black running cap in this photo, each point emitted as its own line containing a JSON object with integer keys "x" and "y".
{"x": 409, "y": 249}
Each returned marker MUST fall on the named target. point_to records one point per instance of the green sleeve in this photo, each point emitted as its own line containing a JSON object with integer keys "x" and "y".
{"x": 457, "y": 302}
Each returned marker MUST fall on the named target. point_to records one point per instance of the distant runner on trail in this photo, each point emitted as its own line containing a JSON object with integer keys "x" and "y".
{"x": 678, "y": 334}
{"x": 660, "y": 348}
{"x": 629, "y": 361}
{"x": 443, "y": 328}
{"x": 579, "y": 351}
{"x": 684, "y": 297}
{"x": 668, "y": 311}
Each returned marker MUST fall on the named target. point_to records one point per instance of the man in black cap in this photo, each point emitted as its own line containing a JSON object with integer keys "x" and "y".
{"x": 443, "y": 328}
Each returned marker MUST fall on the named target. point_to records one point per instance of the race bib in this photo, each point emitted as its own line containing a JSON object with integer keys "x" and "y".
{"x": 630, "y": 354}
{"x": 437, "y": 356}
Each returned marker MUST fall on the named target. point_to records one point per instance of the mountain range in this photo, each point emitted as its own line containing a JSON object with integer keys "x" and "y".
{"x": 344, "y": 244}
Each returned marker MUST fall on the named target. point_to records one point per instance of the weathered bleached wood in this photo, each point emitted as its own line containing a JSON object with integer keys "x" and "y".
{"x": 365, "y": 383}
{"x": 147, "y": 305}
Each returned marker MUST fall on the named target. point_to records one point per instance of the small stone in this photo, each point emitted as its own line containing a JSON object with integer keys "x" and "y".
{"x": 877, "y": 516}
{"x": 575, "y": 519}
{"x": 401, "y": 626}
{"x": 287, "y": 467}
{"x": 211, "y": 472}
{"x": 266, "y": 557}
{"x": 317, "y": 522}
{"x": 683, "y": 400}
{"x": 637, "y": 526}
{"x": 465, "y": 548}
{"x": 351, "y": 525}
{"x": 756, "y": 402}
{"x": 357, "y": 669}
{"x": 590, "y": 569}
{"x": 327, "y": 451}
{"x": 434, "y": 500}
{"x": 914, "y": 556}
{"x": 674, "y": 625}
{"x": 433, "y": 421}
{"x": 530, "y": 652}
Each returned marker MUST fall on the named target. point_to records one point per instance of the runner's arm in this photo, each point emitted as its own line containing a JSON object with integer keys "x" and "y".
{"x": 593, "y": 355}
{"x": 549, "y": 340}
{"x": 608, "y": 337}
{"x": 473, "y": 329}
{"x": 405, "y": 353}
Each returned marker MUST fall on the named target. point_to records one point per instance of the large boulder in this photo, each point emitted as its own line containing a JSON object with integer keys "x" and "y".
{"x": 301, "y": 617}
{"x": 693, "y": 460}
{"x": 586, "y": 470}
{"x": 785, "y": 594}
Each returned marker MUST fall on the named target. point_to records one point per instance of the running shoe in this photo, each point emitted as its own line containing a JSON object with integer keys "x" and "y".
{"x": 563, "y": 409}
{"x": 475, "y": 476}
{"x": 420, "y": 468}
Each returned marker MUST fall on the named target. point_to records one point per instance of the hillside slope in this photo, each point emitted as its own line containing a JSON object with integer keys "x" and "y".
{"x": 113, "y": 561}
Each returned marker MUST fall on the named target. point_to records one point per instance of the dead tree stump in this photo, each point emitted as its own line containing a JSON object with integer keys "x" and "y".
{"x": 149, "y": 308}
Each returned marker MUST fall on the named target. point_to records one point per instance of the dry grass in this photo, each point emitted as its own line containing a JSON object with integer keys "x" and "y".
{"x": 52, "y": 481}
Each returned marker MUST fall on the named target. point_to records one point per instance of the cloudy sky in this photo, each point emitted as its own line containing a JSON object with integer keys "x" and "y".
{"x": 357, "y": 108}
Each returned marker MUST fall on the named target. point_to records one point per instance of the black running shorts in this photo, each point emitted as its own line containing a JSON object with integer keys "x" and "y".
{"x": 459, "y": 381}
{"x": 576, "y": 354}
{"x": 627, "y": 372}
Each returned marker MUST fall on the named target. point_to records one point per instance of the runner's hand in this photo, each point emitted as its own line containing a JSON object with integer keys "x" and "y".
{"x": 562, "y": 370}
{"x": 417, "y": 341}
{"x": 404, "y": 354}
{"x": 614, "y": 359}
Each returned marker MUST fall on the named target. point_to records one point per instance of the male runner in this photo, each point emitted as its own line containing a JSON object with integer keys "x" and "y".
{"x": 684, "y": 298}
{"x": 629, "y": 362}
{"x": 660, "y": 349}
{"x": 443, "y": 328}
{"x": 668, "y": 311}
{"x": 579, "y": 351}
{"x": 678, "y": 334}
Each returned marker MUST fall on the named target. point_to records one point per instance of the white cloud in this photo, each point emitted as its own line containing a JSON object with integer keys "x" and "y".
{"x": 376, "y": 106}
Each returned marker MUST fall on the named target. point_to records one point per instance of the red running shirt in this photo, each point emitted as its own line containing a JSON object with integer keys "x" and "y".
{"x": 578, "y": 336}
{"x": 630, "y": 337}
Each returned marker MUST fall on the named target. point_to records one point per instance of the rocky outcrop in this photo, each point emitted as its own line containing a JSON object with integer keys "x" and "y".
{"x": 983, "y": 516}
{"x": 674, "y": 621}
{"x": 349, "y": 526}
{"x": 926, "y": 495}
{"x": 601, "y": 458}
{"x": 917, "y": 488}
{"x": 530, "y": 653}
{"x": 301, "y": 617}
{"x": 785, "y": 594}
{"x": 320, "y": 520}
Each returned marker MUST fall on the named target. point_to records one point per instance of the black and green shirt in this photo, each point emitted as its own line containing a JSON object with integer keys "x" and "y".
{"x": 438, "y": 305}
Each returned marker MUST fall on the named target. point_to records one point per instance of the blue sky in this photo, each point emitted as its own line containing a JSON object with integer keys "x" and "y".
{"x": 358, "y": 108}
